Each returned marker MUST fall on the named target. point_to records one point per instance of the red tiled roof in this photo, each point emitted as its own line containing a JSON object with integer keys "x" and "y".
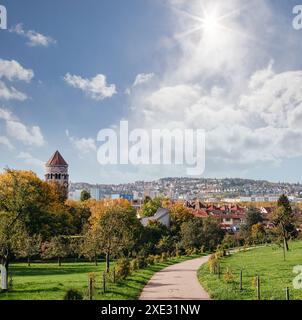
{"x": 56, "y": 160}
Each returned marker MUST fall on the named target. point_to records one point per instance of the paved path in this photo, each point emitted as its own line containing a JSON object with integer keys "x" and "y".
{"x": 176, "y": 282}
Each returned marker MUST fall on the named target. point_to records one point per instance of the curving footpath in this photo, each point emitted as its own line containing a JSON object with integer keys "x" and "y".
{"x": 176, "y": 282}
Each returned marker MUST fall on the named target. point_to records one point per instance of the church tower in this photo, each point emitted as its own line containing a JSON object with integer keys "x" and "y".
{"x": 56, "y": 170}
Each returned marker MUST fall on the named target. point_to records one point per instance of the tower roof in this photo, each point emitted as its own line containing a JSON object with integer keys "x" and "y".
{"x": 56, "y": 160}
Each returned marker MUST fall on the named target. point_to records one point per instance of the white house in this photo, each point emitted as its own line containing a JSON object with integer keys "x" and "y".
{"x": 162, "y": 215}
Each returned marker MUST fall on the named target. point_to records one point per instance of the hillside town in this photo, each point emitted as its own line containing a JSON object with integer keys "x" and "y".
{"x": 208, "y": 190}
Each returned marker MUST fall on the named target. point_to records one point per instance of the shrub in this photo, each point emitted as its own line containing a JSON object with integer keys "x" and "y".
{"x": 73, "y": 294}
{"x": 122, "y": 269}
{"x": 134, "y": 264}
{"x": 164, "y": 257}
{"x": 142, "y": 263}
{"x": 213, "y": 263}
{"x": 229, "y": 276}
{"x": 150, "y": 260}
{"x": 157, "y": 259}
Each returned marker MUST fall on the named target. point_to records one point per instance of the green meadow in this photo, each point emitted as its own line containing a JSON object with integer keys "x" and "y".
{"x": 275, "y": 274}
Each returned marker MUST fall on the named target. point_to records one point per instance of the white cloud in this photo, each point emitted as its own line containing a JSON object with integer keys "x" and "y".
{"x": 34, "y": 38}
{"x": 82, "y": 145}
{"x": 10, "y": 93}
{"x": 12, "y": 70}
{"x": 30, "y": 160}
{"x": 16, "y": 129}
{"x": 96, "y": 88}
{"x": 142, "y": 78}
{"x": 5, "y": 141}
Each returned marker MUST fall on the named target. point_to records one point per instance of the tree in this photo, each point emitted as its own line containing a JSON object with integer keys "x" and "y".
{"x": 10, "y": 231}
{"x": 212, "y": 233}
{"x": 23, "y": 196}
{"x": 28, "y": 246}
{"x": 258, "y": 233}
{"x": 253, "y": 216}
{"x": 85, "y": 195}
{"x": 179, "y": 215}
{"x": 283, "y": 220}
{"x": 151, "y": 236}
{"x": 150, "y": 206}
{"x": 57, "y": 247}
{"x": 201, "y": 232}
{"x": 191, "y": 233}
{"x": 116, "y": 232}
{"x": 90, "y": 246}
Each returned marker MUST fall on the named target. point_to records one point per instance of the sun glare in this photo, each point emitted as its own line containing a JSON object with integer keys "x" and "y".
{"x": 210, "y": 23}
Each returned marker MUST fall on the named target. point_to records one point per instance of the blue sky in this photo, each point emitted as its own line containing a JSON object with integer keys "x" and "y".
{"x": 123, "y": 39}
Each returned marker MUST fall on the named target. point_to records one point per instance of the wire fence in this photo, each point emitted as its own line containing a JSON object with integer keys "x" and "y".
{"x": 244, "y": 284}
{"x": 100, "y": 284}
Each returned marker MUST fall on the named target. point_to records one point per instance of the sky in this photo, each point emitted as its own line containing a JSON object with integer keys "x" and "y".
{"x": 232, "y": 68}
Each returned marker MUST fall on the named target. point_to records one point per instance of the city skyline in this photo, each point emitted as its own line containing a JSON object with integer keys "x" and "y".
{"x": 157, "y": 64}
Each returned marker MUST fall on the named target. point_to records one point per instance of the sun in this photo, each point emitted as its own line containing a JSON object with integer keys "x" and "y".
{"x": 210, "y": 23}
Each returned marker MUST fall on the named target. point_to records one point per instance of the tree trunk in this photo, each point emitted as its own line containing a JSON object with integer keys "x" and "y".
{"x": 28, "y": 261}
{"x": 59, "y": 261}
{"x": 96, "y": 260}
{"x": 285, "y": 238}
{"x": 107, "y": 262}
{"x": 4, "y": 275}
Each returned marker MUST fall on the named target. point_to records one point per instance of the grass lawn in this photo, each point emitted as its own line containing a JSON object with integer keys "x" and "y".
{"x": 48, "y": 281}
{"x": 275, "y": 274}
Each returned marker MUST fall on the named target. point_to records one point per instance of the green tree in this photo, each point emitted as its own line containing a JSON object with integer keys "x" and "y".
{"x": 253, "y": 216}
{"x": 201, "y": 232}
{"x": 28, "y": 246}
{"x": 90, "y": 246}
{"x": 57, "y": 247}
{"x": 116, "y": 233}
{"x": 283, "y": 219}
{"x": 85, "y": 195}
{"x": 11, "y": 229}
{"x": 191, "y": 234}
{"x": 150, "y": 206}
{"x": 151, "y": 236}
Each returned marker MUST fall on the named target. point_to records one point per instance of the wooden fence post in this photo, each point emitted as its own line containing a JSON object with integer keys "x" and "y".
{"x": 90, "y": 287}
{"x": 104, "y": 282}
{"x": 287, "y": 293}
{"x": 218, "y": 267}
{"x": 258, "y": 287}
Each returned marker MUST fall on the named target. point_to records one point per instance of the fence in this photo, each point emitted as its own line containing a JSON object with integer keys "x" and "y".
{"x": 245, "y": 285}
{"x": 99, "y": 284}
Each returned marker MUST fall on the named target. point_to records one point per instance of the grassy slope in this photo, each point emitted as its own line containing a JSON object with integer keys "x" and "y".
{"x": 275, "y": 274}
{"x": 48, "y": 281}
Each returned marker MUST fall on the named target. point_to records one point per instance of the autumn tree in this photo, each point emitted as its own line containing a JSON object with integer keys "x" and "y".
{"x": 179, "y": 215}
{"x": 23, "y": 198}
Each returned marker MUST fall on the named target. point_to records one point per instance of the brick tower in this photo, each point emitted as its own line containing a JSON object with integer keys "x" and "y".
{"x": 56, "y": 170}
